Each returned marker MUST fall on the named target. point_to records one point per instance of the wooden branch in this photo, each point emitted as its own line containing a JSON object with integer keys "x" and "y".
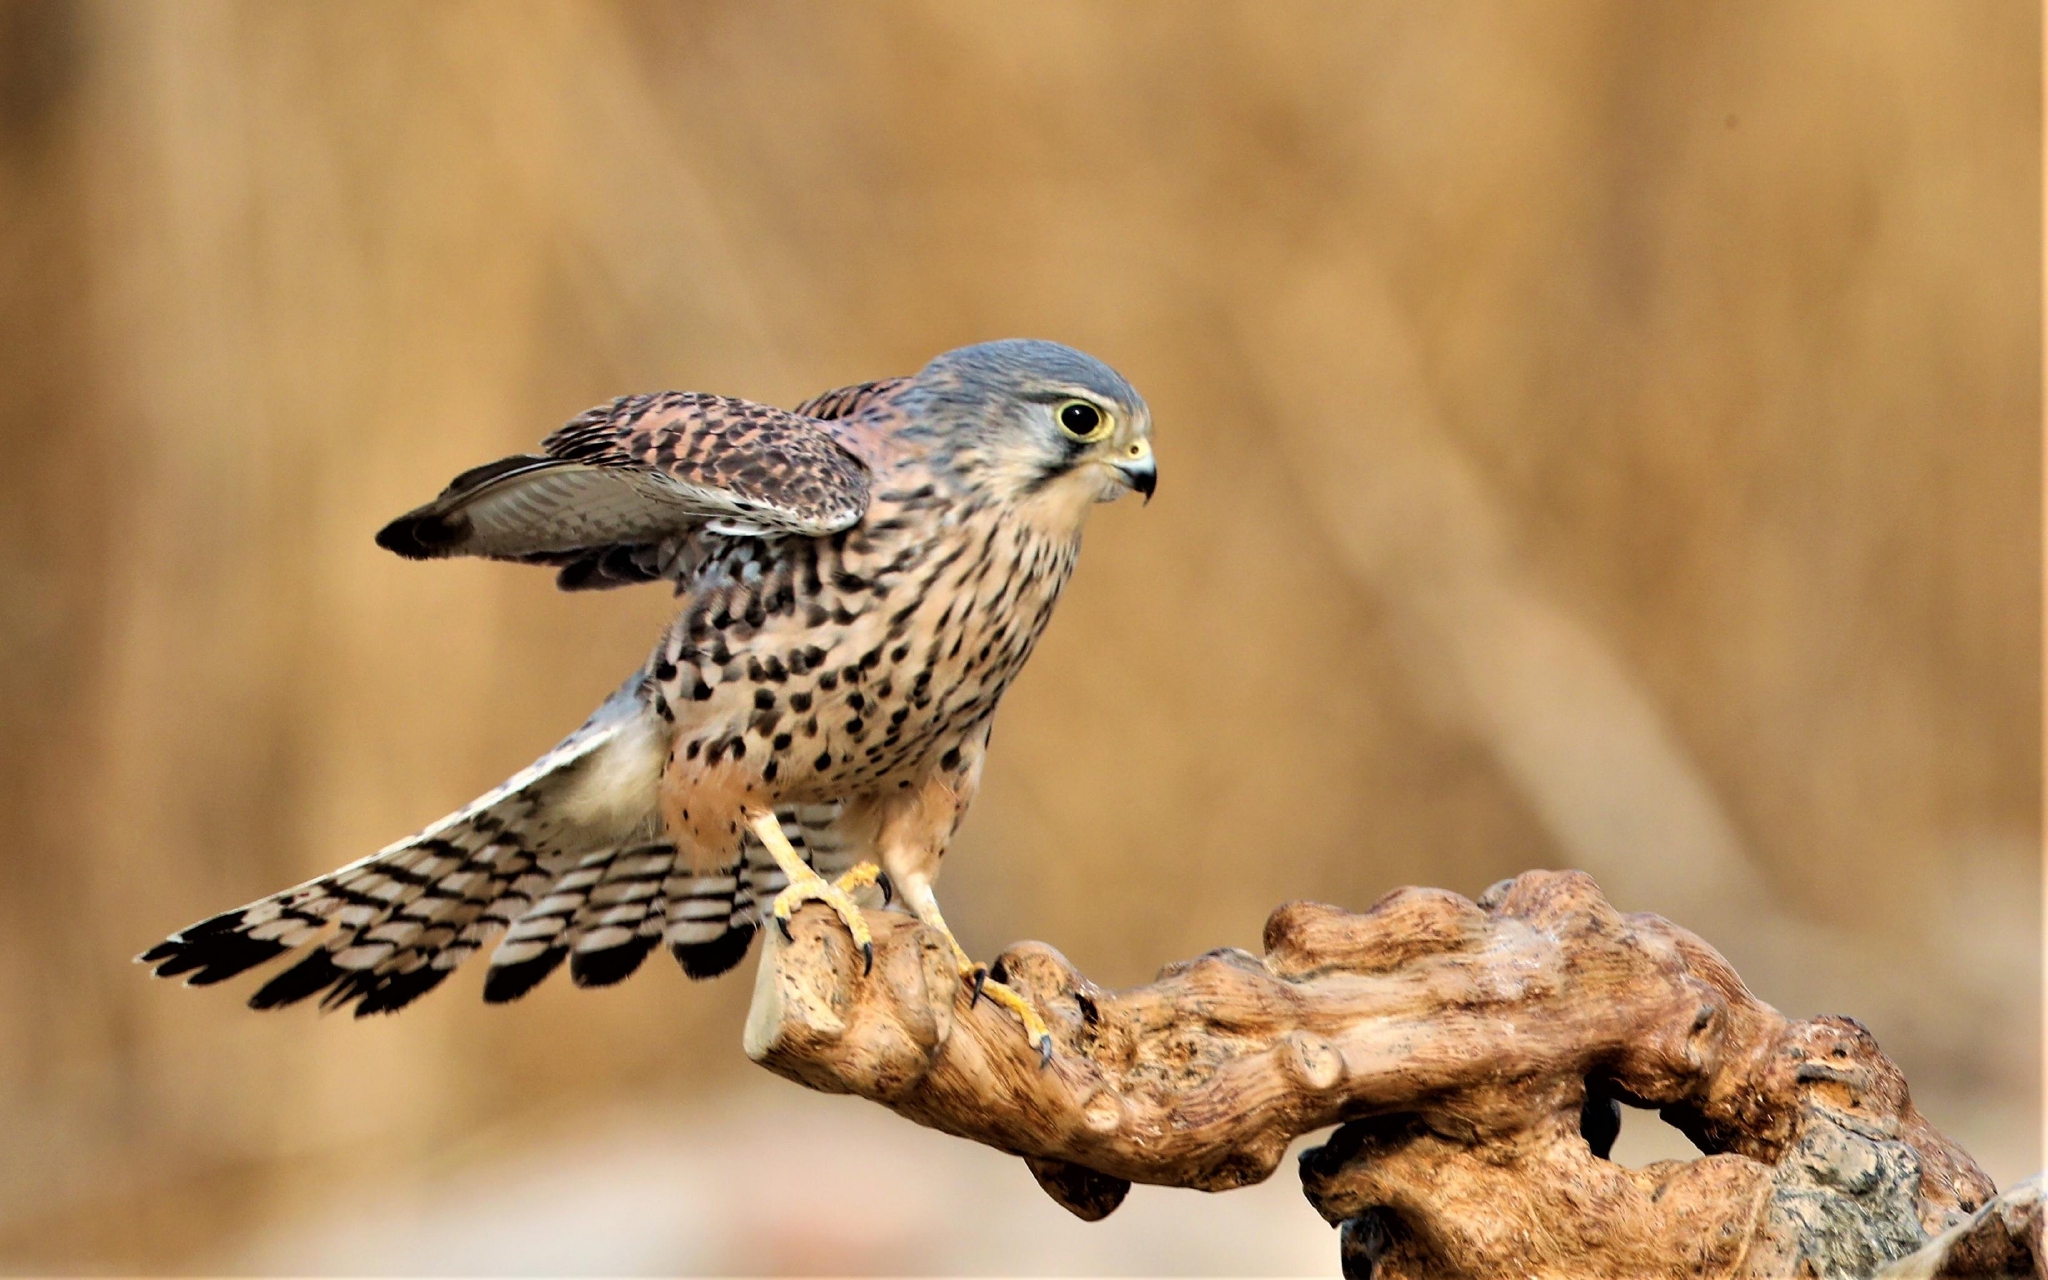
{"x": 1474, "y": 1053}
{"x": 2003, "y": 1239}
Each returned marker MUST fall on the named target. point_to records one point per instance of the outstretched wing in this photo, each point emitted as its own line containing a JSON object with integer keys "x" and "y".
{"x": 560, "y": 858}
{"x": 617, "y": 494}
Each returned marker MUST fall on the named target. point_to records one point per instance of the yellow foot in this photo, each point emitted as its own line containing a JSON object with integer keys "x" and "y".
{"x": 809, "y": 886}
{"x": 1035, "y": 1032}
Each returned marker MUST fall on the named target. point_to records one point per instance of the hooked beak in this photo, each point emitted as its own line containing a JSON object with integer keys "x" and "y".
{"x": 1137, "y": 469}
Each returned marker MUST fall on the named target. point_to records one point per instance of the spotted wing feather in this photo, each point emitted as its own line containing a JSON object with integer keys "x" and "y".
{"x": 845, "y": 402}
{"x": 620, "y": 493}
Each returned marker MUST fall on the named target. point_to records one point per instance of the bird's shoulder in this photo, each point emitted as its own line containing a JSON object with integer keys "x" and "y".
{"x": 846, "y": 402}
{"x": 768, "y": 459}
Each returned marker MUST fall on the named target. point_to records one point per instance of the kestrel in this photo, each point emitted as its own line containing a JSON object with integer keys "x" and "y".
{"x": 861, "y": 579}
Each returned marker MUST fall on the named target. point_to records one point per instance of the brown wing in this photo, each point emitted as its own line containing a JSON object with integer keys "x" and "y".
{"x": 618, "y": 493}
{"x": 844, "y": 402}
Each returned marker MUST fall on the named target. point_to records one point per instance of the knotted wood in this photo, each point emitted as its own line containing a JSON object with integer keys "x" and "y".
{"x": 1475, "y": 1055}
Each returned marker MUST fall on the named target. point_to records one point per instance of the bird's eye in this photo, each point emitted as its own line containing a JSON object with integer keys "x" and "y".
{"x": 1082, "y": 420}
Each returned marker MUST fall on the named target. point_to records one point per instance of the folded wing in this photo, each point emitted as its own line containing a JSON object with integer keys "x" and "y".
{"x": 618, "y": 494}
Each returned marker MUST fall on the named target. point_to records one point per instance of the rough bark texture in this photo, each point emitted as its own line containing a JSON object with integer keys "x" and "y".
{"x": 1474, "y": 1055}
{"x": 2003, "y": 1239}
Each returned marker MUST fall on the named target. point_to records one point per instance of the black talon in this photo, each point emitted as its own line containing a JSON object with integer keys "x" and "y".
{"x": 887, "y": 887}
{"x": 783, "y": 924}
{"x": 867, "y": 958}
{"x": 1045, "y": 1053}
{"x": 980, "y": 981}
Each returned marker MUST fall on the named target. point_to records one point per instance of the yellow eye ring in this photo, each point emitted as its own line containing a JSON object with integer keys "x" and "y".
{"x": 1083, "y": 420}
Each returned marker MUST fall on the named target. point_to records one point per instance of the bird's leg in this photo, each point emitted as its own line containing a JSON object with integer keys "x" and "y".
{"x": 924, "y": 904}
{"x": 910, "y": 831}
{"x": 807, "y": 885}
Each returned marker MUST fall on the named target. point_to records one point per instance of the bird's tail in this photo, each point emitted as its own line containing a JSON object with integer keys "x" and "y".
{"x": 567, "y": 857}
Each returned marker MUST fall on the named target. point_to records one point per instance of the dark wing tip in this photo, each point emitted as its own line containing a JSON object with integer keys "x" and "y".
{"x": 613, "y": 964}
{"x": 398, "y": 990}
{"x": 510, "y": 981}
{"x": 315, "y": 973}
{"x": 703, "y": 960}
{"x": 354, "y": 985}
{"x": 478, "y": 477}
{"x": 424, "y": 534}
{"x": 210, "y": 952}
{"x": 232, "y": 955}
{"x": 433, "y": 530}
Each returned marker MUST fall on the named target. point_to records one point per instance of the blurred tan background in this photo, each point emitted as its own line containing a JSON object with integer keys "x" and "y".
{"x": 1600, "y": 434}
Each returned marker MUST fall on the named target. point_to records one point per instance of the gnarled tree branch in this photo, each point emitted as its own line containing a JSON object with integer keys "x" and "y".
{"x": 1474, "y": 1054}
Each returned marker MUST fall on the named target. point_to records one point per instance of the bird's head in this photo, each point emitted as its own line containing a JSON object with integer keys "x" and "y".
{"x": 1038, "y": 423}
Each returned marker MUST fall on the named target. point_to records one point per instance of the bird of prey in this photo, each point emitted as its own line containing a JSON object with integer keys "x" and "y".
{"x": 860, "y": 580}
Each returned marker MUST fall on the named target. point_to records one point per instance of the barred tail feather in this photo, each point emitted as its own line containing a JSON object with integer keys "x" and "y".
{"x": 712, "y": 919}
{"x": 526, "y": 859}
{"x": 391, "y": 927}
{"x": 622, "y": 921}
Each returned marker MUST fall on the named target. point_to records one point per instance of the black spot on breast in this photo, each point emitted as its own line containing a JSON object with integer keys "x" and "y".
{"x": 823, "y": 762}
{"x": 951, "y": 760}
{"x": 764, "y": 698}
{"x": 800, "y": 701}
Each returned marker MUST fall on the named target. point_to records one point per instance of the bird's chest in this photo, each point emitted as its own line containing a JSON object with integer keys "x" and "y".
{"x": 853, "y": 663}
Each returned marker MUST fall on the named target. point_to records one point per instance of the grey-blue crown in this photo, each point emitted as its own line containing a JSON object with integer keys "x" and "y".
{"x": 1011, "y": 365}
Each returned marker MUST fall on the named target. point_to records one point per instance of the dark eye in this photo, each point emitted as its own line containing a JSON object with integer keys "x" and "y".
{"x": 1080, "y": 419}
